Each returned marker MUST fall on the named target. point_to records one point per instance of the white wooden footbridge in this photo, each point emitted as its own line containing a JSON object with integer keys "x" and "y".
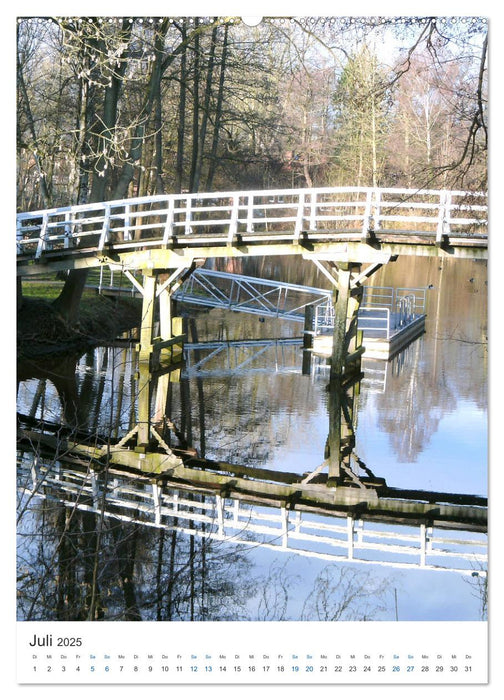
{"x": 348, "y": 233}
{"x": 344, "y": 224}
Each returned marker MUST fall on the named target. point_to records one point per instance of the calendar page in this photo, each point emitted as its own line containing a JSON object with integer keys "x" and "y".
{"x": 252, "y": 347}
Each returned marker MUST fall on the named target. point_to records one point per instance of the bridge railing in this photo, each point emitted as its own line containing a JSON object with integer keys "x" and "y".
{"x": 221, "y": 217}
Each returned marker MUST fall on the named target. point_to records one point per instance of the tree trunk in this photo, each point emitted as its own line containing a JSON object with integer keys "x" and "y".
{"x": 218, "y": 113}
{"x": 44, "y": 186}
{"x": 195, "y": 124}
{"x": 179, "y": 168}
{"x": 160, "y": 188}
{"x": 68, "y": 302}
{"x": 204, "y": 118}
{"x": 137, "y": 141}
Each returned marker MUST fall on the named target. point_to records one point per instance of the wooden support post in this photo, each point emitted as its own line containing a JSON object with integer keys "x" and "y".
{"x": 308, "y": 338}
{"x": 165, "y": 314}
{"x": 341, "y": 297}
{"x": 165, "y": 323}
{"x": 350, "y": 537}
{"x": 341, "y": 438}
{"x": 161, "y": 399}
{"x": 143, "y": 407}
{"x": 146, "y": 330}
{"x": 177, "y": 349}
{"x": 333, "y": 453}
{"x": 168, "y": 346}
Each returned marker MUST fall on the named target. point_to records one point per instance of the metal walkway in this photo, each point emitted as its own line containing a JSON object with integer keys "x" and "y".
{"x": 226, "y": 290}
{"x": 253, "y": 295}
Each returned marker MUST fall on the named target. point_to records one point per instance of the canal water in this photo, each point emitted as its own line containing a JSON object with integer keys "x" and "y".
{"x": 420, "y": 421}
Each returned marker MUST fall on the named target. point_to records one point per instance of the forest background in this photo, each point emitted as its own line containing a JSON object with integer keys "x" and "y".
{"x": 116, "y": 107}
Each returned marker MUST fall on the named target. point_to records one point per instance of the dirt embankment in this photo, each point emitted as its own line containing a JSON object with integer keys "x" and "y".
{"x": 42, "y": 331}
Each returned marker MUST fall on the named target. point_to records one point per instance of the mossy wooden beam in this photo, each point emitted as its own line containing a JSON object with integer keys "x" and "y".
{"x": 346, "y": 248}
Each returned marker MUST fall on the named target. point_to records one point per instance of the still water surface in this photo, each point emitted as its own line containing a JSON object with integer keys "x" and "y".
{"x": 421, "y": 423}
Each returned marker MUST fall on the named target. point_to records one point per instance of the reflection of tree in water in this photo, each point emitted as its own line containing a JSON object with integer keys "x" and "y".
{"x": 479, "y": 587}
{"x": 74, "y": 566}
{"x": 413, "y": 405}
{"x": 339, "y": 592}
{"x": 246, "y": 420}
{"x": 418, "y": 397}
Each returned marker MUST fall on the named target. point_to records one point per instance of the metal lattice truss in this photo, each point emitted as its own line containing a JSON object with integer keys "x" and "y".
{"x": 250, "y": 294}
{"x": 222, "y": 358}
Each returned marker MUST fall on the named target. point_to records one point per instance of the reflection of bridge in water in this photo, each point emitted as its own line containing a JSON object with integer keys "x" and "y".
{"x": 388, "y": 318}
{"x": 313, "y": 532}
{"x": 362, "y": 520}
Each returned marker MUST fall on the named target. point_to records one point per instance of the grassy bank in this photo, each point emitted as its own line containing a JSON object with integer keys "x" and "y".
{"x": 41, "y": 330}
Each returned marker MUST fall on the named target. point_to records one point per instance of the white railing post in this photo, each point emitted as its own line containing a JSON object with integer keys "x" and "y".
{"x": 366, "y": 221}
{"x": 168, "y": 229}
{"x": 250, "y": 214}
{"x": 105, "y": 228}
{"x": 285, "y": 527}
{"x": 350, "y": 537}
{"x": 34, "y": 473}
{"x": 19, "y": 237}
{"x": 360, "y": 532}
{"x": 188, "y": 219}
{"x": 447, "y": 214}
{"x": 94, "y": 489}
{"x": 220, "y": 514}
{"x": 41, "y": 245}
{"x": 127, "y": 223}
{"x": 233, "y": 221}
{"x": 313, "y": 211}
{"x": 423, "y": 544}
{"x": 156, "y": 496}
{"x": 68, "y": 232}
{"x": 299, "y": 216}
{"x": 377, "y": 210}
{"x": 442, "y": 226}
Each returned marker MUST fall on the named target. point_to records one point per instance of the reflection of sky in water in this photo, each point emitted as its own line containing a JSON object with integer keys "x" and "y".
{"x": 453, "y": 460}
{"x": 421, "y": 595}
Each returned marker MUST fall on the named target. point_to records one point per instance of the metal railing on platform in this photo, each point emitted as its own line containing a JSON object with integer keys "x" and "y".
{"x": 383, "y": 310}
